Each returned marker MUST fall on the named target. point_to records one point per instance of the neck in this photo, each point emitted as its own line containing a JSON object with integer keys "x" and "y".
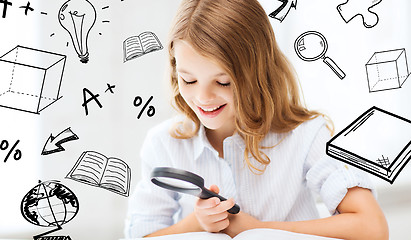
{"x": 216, "y": 139}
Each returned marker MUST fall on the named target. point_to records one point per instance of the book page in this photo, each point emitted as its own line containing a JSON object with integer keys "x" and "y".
{"x": 132, "y": 48}
{"x": 190, "y": 236}
{"x": 116, "y": 176}
{"x": 150, "y": 42}
{"x": 266, "y": 234}
{"x": 89, "y": 168}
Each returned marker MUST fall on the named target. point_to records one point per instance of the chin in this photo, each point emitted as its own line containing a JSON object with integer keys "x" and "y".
{"x": 211, "y": 126}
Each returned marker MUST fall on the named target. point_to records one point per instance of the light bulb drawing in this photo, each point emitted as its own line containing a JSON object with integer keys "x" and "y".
{"x": 78, "y": 17}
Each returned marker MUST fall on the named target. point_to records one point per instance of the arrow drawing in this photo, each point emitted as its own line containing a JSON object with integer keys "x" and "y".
{"x": 281, "y": 12}
{"x": 53, "y": 144}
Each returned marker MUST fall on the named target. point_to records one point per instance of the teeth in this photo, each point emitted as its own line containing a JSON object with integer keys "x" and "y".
{"x": 210, "y": 109}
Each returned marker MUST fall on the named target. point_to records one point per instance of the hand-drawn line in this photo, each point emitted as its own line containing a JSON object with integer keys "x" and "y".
{"x": 136, "y": 46}
{"x": 4, "y": 145}
{"x": 138, "y": 101}
{"x": 49, "y": 204}
{"x": 87, "y": 100}
{"x": 387, "y": 70}
{"x": 383, "y": 161}
{"x": 77, "y": 17}
{"x": 110, "y": 88}
{"x": 282, "y": 11}
{"x": 97, "y": 170}
{"x": 27, "y": 8}
{"x": 311, "y": 46}
{"x": 352, "y": 8}
{"x": 43, "y": 70}
{"x": 6, "y": 3}
{"x": 363, "y": 145}
{"x": 53, "y": 144}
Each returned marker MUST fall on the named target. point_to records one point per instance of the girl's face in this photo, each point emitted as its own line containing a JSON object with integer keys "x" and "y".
{"x": 206, "y": 88}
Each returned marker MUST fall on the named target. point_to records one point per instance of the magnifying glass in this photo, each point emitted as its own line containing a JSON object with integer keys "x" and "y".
{"x": 311, "y": 46}
{"x": 185, "y": 182}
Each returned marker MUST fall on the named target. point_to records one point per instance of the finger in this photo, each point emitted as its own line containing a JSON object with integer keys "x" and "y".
{"x": 207, "y": 203}
{"x": 214, "y": 188}
{"x": 219, "y": 208}
{"x": 221, "y": 225}
{"x": 224, "y": 205}
{"x": 211, "y": 219}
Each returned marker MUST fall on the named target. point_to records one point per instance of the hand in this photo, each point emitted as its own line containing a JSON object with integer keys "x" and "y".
{"x": 211, "y": 213}
{"x": 241, "y": 222}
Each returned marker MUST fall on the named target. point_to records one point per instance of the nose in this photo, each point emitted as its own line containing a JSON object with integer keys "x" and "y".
{"x": 205, "y": 95}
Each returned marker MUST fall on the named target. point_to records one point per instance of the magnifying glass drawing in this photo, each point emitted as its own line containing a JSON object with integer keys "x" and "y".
{"x": 311, "y": 46}
{"x": 185, "y": 182}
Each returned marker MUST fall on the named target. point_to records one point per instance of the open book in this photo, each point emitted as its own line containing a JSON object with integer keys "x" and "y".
{"x": 377, "y": 142}
{"x": 136, "y": 46}
{"x": 95, "y": 169}
{"x": 260, "y": 234}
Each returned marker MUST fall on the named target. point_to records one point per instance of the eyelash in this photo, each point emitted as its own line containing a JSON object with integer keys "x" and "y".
{"x": 188, "y": 83}
{"x": 192, "y": 82}
{"x": 224, "y": 84}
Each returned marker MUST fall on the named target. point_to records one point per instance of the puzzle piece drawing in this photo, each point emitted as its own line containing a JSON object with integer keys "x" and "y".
{"x": 352, "y": 8}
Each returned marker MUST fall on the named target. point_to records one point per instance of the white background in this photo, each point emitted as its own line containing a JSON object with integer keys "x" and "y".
{"x": 114, "y": 129}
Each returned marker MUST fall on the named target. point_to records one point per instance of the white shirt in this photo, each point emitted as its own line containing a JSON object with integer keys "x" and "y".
{"x": 299, "y": 165}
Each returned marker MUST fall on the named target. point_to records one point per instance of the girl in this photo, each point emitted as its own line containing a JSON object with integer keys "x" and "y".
{"x": 245, "y": 131}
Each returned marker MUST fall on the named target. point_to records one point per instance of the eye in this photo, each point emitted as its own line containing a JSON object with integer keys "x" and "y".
{"x": 188, "y": 82}
{"x": 224, "y": 84}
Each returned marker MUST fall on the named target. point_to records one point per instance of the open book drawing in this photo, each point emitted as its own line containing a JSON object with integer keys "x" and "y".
{"x": 259, "y": 233}
{"x": 377, "y": 142}
{"x": 136, "y": 46}
{"x": 95, "y": 169}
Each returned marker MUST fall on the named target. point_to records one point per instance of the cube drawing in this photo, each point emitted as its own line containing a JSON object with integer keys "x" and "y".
{"x": 30, "y": 79}
{"x": 387, "y": 70}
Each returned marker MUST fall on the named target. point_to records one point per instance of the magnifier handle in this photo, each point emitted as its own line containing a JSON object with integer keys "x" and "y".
{"x": 206, "y": 194}
{"x": 334, "y": 67}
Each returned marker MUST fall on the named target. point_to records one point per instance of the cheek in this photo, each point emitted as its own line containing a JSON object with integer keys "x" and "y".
{"x": 185, "y": 92}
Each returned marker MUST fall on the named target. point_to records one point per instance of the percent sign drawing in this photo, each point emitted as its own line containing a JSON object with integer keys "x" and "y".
{"x": 138, "y": 101}
{"x": 4, "y": 145}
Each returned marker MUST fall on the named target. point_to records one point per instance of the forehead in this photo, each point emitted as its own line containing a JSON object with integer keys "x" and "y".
{"x": 188, "y": 60}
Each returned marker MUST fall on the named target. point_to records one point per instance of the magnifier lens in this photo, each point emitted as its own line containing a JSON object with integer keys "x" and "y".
{"x": 311, "y": 47}
{"x": 177, "y": 183}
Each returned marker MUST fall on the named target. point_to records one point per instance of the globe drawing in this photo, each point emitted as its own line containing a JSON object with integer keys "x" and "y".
{"x": 49, "y": 204}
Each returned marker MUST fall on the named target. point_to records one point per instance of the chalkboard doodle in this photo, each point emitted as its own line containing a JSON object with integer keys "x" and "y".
{"x": 30, "y": 79}
{"x": 136, "y": 46}
{"x": 282, "y": 11}
{"x": 378, "y": 142}
{"x": 95, "y": 169}
{"x": 77, "y": 17}
{"x": 53, "y": 144}
{"x": 49, "y": 204}
{"x": 352, "y": 8}
{"x": 311, "y": 46}
{"x": 12, "y": 151}
{"x": 387, "y": 70}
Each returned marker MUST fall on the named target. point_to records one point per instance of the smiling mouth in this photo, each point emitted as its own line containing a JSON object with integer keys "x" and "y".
{"x": 211, "y": 112}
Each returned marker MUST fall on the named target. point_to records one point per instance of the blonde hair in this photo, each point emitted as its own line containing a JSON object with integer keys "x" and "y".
{"x": 239, "y": 37}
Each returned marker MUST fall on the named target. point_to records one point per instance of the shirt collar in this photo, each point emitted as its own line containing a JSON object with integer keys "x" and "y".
{"x": 201, "y": 143}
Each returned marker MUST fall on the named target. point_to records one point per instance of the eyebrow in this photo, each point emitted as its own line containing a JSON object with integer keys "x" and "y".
{"x": 187, "y": 72}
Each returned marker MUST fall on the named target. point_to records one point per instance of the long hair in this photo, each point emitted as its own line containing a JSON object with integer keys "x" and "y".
{"x": 237, "y": 35}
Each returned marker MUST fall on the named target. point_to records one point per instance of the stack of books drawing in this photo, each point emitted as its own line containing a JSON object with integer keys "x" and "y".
{"x": 377, "y": 142}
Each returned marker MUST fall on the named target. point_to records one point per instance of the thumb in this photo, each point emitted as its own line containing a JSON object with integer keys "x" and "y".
{"x": 214, "y": 188}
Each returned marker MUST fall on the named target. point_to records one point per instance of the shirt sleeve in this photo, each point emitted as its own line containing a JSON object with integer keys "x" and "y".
{"x": 150, "y": 207}
{"x": 329, "y": 177}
